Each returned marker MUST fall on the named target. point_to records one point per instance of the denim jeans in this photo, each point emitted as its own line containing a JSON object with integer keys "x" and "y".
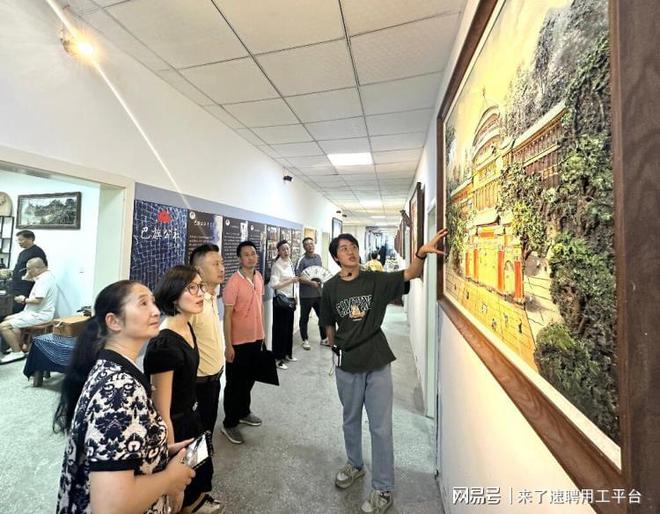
{"x": 373, "y": 390}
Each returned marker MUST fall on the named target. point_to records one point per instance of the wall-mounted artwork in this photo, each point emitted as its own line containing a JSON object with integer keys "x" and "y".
{"x": 49, "y": 211}
{"x": 527, "y": 176}
{"x": 337, "y": 226}
{"x": 416, "y": 213}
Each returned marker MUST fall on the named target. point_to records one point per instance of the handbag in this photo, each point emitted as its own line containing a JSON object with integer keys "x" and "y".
{"x": 282, "y": 301}
{"x": 265, "y": 367}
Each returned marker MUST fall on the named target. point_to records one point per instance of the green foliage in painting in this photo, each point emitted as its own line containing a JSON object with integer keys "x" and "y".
{"x": 457, "y": 223}
{"x": 567, "y": 363}
{"x": 578, "y": 357}
{"x": 522, "y": 195}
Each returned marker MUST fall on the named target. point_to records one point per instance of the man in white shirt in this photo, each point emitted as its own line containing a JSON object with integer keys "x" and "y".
{"x": 208, "y": 329}
{"x": 39, "y": 307}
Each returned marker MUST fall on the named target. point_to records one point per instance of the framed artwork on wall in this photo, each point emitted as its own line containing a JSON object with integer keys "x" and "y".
{"x": 49, "y": 211}
{"x": 337, "y": 226}
{"x": 532, "y": 190}
{"x": 416, "y": 212}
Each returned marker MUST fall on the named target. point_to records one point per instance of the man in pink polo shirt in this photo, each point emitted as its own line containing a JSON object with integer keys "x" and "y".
{"x": 244, "y": 335}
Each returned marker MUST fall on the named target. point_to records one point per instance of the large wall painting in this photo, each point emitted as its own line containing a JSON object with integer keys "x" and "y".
{"x": 529, "y": 197}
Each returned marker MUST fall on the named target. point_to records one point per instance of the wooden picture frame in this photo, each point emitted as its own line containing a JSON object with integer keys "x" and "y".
{"x": 49, "y": 211}
{"x": 416, "y": 213}
{"x": 635, "y": 108}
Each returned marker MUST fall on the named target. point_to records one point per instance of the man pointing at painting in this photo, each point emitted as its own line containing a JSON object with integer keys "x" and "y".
{"x": 353, "y": 306}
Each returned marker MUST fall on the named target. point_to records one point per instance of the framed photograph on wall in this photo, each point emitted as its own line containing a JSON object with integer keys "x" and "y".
{"x": 337, "y": 226}
{"x": 416, "y": 212}
{"x": 532, "y": 192}
{"x": 49, "y": 211}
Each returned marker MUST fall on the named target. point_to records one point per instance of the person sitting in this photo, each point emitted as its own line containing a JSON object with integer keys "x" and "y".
{"x": 374, "y": 264}
{"x": 39, "y": 308}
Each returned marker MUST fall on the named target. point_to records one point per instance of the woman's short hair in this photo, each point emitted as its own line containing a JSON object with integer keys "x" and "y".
{"x": 282, "y": 243}
{"x": 373, "y": 255}
{"x": 171, "y": 286}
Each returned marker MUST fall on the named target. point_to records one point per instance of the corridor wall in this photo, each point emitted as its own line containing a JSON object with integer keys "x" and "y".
{"x": 482, "y": 438}
{"x": 61, "y": 111}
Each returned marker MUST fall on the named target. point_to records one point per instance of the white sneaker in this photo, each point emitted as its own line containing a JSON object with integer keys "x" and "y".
{"x": 12, "y": 357}
{"x": 291, "y": 359}
{"x": 377, "y": 502}
{"x": 281, "y": 365}
{"x": 324, "y": 342}
{"x": 305, "y": 345}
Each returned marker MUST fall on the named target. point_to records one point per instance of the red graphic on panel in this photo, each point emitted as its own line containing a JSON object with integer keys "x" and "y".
{"x": 164, "y": 216}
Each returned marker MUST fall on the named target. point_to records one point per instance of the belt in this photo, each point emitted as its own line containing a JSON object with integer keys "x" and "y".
{"x": 210, "y": 378}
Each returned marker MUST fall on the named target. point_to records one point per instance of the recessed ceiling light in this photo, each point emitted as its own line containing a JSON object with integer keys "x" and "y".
{"x": 378, "y": 217}
{"x": 350, "y": 159}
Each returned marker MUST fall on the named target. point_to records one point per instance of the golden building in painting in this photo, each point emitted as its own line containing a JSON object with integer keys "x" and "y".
{"x": 509, "y": 295}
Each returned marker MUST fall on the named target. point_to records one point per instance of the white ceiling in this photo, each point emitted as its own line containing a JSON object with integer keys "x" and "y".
{"x": 300, "y": 79}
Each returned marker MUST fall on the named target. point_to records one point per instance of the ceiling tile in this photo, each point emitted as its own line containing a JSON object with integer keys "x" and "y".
{"x": 249, "y": 136}
{"x": 174, "y": 79}
{"x": 240, "y": 80}
{"x": 329, "y": 105}
{"x": 355, "y": 145}
{"x": 316, "y": 170}
{"x": 224, "y": 116}
{"x": 395, "y": 174}
{"x": 363, "y": 168}
{"x": 283, "y": 134}
{"x": 310, "y": 69}
{"x": 396, "y": 156}
{"x": 337, "y": 129}
{"x": 406, "y": 50}
{"x": 298, "y": 149}
{"x": 263, "y": 113}
{"x": 123, "y": 40}
{"x": 182, "y": 33}
{"x": 310, "y": 162}
{"x": 269, "y": 151}
{"x": 398, "y": 141}
{"x": 399, "y": 122}
{"x": 397, "y": 167}
{"x": 367, "y": 15}
{"x": 401, "y": 95}
{"x": 267, "y": 25}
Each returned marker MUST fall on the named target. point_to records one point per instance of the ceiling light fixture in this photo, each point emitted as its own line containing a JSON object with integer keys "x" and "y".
{"x": 76, "y": 47}
{"x": 350, "y": 159}
{"x": 379, "y": 217}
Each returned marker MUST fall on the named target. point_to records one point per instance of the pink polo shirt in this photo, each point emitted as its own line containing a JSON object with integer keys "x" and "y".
{"x": 248, "y": 311}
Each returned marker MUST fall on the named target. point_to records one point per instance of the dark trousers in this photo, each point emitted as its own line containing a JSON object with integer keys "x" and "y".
{"x": 188, "y": 425}
{"x": 208, "y": 397}
{"x": 240, "y": 379}
{"x": 306, "y": 306}
{"x": 282, "y": 332}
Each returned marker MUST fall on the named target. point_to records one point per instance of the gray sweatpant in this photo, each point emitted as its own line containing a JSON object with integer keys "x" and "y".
{"x": 373, "y": 390}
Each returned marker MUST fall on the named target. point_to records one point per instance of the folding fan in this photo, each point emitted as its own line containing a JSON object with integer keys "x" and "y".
{"x": 316, "y": 273}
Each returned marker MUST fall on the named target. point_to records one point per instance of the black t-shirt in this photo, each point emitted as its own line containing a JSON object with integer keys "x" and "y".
{"x": 18, "y": 285}
{"x": 358, "y": 308}
{"x": 168, "y": 351}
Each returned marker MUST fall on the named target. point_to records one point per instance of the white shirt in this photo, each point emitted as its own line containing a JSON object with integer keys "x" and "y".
{"x": 45, "y": 287}
{"x": 282, "y": 270}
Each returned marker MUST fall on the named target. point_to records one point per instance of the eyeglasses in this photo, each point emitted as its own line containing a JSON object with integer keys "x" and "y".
{"x": 194, "y": 288}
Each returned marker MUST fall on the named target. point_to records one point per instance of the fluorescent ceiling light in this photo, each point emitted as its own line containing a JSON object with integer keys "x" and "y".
{"x": 350, "y": 159}
{"x": 379, "y": 217}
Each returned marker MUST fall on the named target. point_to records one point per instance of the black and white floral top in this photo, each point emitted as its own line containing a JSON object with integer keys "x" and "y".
{"x": 115, "y": 428}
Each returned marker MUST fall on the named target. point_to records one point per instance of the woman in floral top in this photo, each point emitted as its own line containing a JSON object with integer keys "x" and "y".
{"x": 116, "y": 456}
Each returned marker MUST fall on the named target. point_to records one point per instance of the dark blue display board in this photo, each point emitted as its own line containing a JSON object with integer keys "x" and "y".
{"x": 159, "y": 240}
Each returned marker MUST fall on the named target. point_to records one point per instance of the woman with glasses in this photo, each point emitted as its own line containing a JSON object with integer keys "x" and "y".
{"x": 171, "y": 362}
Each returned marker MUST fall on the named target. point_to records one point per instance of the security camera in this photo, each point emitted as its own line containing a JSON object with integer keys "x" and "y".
{"x": 287, "y": 178}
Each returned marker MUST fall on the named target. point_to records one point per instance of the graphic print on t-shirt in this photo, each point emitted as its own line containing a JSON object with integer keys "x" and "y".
{"x": 355, "y": 307}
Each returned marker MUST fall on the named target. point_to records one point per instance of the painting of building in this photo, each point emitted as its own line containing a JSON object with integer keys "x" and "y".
{"x": 529, "y": 202}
